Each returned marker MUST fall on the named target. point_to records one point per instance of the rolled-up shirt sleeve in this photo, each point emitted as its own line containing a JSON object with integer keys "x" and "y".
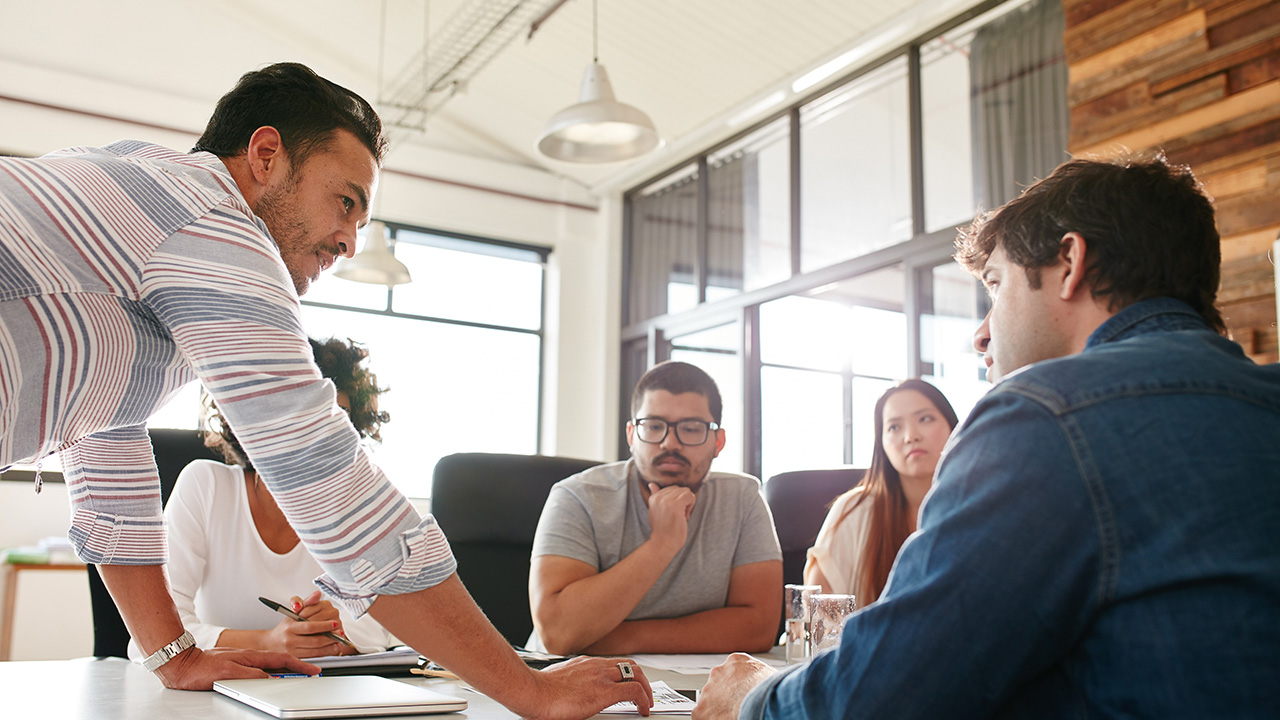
{"x": 115, "y": 498}
{"x": 221, "y": 290}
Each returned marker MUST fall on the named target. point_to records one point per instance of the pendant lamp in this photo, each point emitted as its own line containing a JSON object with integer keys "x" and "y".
{"x": 374, "y": 264}
{"x": 598, "y": 128}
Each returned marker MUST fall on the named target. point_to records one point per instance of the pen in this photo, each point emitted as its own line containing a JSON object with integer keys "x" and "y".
{"x": 291, "y": 614}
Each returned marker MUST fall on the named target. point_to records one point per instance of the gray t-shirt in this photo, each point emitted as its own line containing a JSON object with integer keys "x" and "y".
{"x": 599, "y": 517}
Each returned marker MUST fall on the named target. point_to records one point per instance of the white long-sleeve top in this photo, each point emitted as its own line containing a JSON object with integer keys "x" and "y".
{"x": 219, "y": 565}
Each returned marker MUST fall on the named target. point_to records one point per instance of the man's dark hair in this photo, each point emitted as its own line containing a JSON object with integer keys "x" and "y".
{"x": 676, "y": 378}
{"x": 303, "y": 107}
{"x": 1148, "y": 228}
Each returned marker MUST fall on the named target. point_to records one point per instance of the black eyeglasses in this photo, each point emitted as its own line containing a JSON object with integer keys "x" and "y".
{"x": 688, "y": 432}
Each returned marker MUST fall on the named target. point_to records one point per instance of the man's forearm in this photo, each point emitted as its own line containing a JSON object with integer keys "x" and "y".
{"x": 443, "y": 623}
{"x": 586, "y": 610}
{"x": 141, "y": 593}
{"x": 722, "y": 630}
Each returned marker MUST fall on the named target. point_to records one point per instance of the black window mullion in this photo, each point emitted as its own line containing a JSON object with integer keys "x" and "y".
{"x": 795, "y": 190}
{"x": 915, "y": 123}
{"x": 752, "y": 432}
{"x": 704, "y": 225}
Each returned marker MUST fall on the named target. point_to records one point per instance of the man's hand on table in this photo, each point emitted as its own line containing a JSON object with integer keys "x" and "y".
{"x": 196, "y": 669}
{"x": 584, "y": 686}
{"x": 727, "y": 685}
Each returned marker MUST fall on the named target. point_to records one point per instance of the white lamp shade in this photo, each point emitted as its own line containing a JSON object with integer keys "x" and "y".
{"x": 374, "y": 264}
{"x": 598, "y": 128}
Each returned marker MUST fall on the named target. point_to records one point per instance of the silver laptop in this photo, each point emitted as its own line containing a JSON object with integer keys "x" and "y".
{"x": 337, "y": 696}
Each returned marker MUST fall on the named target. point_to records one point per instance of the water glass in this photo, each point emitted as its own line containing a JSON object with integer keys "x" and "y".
{"x": 795, "y": 600}
{"x": 826, "y": 620}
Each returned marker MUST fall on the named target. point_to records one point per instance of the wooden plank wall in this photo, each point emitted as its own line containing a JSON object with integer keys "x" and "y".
{"x": 1200, "y": 79}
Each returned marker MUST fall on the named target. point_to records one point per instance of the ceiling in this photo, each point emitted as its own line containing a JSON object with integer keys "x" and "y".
{"x": 699, "y": 68}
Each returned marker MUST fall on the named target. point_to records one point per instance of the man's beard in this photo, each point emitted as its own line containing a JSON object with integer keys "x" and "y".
{"x": 288, "y": 228}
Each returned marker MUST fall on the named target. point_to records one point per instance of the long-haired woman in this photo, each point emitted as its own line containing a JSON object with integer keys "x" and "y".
{"x": 867, "y": 525}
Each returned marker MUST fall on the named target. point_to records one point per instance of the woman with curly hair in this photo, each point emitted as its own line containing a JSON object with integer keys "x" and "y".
{"x": 866, "y": 526}
{"x": 230, "y": 543}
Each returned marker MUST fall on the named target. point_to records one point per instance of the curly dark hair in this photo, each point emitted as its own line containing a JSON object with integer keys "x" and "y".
{"x": 1148, "y": 224}
{"x": 340, "y": 362}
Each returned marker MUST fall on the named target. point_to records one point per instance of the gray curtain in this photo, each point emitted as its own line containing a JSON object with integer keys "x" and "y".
{"x": 1018, "y": 101}
{"x": 732, "y": 205}
{"x": 663, "y": 245}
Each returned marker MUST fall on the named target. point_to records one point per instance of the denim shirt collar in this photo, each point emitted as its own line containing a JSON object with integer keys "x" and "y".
{"x": 1161, "y": 314}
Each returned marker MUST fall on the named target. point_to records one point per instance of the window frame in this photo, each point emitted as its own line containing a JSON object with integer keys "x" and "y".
{"x": 917, "y": 255}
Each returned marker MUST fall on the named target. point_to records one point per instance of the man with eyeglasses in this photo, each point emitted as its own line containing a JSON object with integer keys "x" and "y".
{"x": 656, "y": 553}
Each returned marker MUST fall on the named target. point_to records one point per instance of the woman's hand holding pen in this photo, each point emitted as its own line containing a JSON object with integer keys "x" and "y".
{"x": 307, "y": 638}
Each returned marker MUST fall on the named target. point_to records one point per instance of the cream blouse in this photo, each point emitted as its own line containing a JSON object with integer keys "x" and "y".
{"x": 838, "y": 550}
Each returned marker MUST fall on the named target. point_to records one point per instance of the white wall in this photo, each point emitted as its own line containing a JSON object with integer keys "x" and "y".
{"x": 52, "y": 619}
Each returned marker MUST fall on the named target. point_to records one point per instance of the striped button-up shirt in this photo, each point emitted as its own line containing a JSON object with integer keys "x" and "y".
{"x": 125, "y": 273}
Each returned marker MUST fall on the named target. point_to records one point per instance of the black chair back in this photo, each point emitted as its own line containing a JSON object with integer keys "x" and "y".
{"x": 488, "y": 506}
{"x": 174, "y": 449}
{"x": 799, "y": 501}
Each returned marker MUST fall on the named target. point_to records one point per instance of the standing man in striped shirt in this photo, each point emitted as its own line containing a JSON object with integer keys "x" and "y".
{"x": 130, "y": 270}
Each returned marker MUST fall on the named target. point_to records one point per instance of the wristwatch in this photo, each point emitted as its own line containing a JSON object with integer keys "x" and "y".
{"x": 169, "y": 652}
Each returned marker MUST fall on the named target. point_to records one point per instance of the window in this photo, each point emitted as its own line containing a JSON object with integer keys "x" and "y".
{"x": 855, "y": 182}
{"x": 823, "y": 235}
{"x": 716, "y": 351}
{"x": 664, "y": 223}
{"x": 824, "y": 354}
{"x": 948, "y": 162}
{"x": 951, "y": 311}
{"x": 749, "y": 218}
{"x": 460, "y": 349}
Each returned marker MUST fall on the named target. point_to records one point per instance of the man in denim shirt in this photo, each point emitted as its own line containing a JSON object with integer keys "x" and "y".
{"x": 1103, "y": 534}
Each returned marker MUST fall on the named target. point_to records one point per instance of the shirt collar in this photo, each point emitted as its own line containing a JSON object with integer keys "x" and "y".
{"x": 1161, "y": 314}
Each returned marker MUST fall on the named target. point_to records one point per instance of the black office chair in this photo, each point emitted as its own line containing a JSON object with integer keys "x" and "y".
{"x": 174, "y": 450}
{"x": 488, "y": 506}
{"x": 799, "y": 501}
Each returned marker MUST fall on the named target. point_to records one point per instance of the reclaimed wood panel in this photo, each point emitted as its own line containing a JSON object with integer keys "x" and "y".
{"x": 1256, "y": 242}
{"x": 1125, "y": 22}
{"x": 1251, "y": 47}
{"x": 1249, "y": 178}
{"x": 1254, "y": 72}
{"x": 1136, "y": 71}
{"x": 1200, "y": 81}
{"x": 1224, "y": 14}
{"x": 1096, "y": 121}
{"x": 1193, "y": 24}
{"x": 1265, "y": 15}
{"x": 1264, "y": 99}
{"x": 1078, "y": 11}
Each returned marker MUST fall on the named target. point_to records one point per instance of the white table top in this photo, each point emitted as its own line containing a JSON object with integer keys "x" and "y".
{"x": 116, "y": 689}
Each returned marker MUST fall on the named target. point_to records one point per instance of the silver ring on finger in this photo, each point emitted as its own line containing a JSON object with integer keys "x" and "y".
{"x": 627, "y": 670}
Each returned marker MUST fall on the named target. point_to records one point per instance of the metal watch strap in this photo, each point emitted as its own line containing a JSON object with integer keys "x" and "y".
{"x": 169, "y": 652}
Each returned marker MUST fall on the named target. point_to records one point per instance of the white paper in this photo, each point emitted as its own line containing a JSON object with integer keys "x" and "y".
{"x": 694, "y": 664}
{"x": 665, "y": 700}
{"x": 397, "y": 656}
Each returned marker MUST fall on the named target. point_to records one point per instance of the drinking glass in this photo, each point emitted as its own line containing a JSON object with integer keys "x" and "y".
{"x": 795, "y": 599}
{"x": 826, "y": 620}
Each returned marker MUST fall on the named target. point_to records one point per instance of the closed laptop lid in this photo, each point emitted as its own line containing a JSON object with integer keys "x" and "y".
{"x": 345, "y": 696}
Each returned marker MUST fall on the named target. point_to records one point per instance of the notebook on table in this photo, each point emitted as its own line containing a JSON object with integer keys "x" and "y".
{"x": 344, "y": 696}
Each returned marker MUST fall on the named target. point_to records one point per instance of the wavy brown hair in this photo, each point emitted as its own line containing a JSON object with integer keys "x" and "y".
{"x": 339, "y": 361}
{"x": 881, "y": 486}
{"x": 1148, "y": 226}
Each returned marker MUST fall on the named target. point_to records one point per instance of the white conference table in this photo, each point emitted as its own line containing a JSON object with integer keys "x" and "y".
{"x": 116, "y": 689}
